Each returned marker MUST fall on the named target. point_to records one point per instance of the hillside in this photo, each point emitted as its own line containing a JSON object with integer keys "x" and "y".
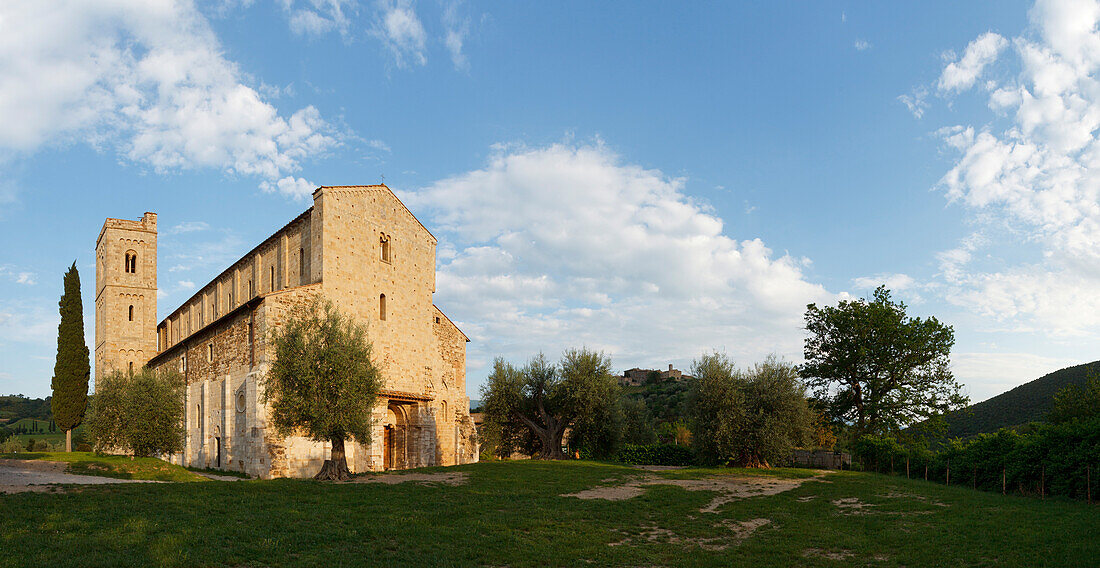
{"x": 1028, "y": 402}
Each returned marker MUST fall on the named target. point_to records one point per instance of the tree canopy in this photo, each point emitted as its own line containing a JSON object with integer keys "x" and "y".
{"x": 322, "y": 383}
{"x": 875, "y": 367}
{"x": 71, "y": 369}
{"x": 530, "y": 408}
{"x": 750, "y": 418}
{"x": 141, "y": 414}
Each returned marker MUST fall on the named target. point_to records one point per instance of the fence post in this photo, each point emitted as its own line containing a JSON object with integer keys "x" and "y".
{"x": 906, "y": 467}
{"x": 926, "y": 472}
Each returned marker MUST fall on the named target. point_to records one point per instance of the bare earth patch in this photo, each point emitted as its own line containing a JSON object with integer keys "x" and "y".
{"x": 442, "y": 478}
{"x": 740, "y": 529}
{"x": 41, "y": 476}
{"x": 728, "y": 488}
{"x": 830, "y": 554}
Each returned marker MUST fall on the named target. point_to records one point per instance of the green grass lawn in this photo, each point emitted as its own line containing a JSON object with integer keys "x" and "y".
{"x": 514, "y": 514}
{"x": 120, "y": 467}
{"x": 43, "y": 432}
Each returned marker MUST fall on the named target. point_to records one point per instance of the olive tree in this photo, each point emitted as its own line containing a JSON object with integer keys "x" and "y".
{"x": 322, "y": 383}
{"x": 141, "y": 414}
{"x": 750, "y": 418}
{"x": 530, "y": 407}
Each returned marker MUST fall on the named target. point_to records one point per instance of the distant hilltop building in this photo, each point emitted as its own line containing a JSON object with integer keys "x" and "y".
{"x": 360, "y": 247}
{"x": 636, "y": 377}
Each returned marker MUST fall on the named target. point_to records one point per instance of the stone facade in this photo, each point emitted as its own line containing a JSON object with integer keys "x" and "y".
{"x": 361, "y": 248}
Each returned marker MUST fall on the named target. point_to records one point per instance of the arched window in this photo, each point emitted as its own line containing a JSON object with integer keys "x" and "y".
{"x": 131, "y": 313}
{"x": 443, "y": 410}
{"x": 131, "y": 367}
{"x": 131, "y": 262}
{"x": 382, "y": 307}
{"x": 384, "y": 246}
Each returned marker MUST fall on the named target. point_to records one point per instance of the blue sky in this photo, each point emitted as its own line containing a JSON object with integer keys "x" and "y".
{"x": 652, "y": 179}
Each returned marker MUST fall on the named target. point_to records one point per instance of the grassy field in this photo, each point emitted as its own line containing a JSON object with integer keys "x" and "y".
{"x": 514, "y": 514}
{"x": 119, "y": 467}
{"x": 43, "y": 432}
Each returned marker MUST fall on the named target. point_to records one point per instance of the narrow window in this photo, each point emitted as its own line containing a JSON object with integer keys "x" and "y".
{"x": 131, "y": 313}
{"x": 382, "y": 307}
{"x": 443, "y": 410}
{"x": 184, "y": 362}
{"x": 131, "y": 262}
{"x": 131, "y": 367}
{"x": 384, "y": 245}
{"x": 210, "y": 352}
{"x": 301, "y": 266}
{"x": 272, "y": 278}
{"x": 250, "y": 292}
{"x": 437, "y": 319}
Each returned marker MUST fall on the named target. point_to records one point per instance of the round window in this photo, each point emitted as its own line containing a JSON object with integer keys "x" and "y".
{"x": 240, "y": 401}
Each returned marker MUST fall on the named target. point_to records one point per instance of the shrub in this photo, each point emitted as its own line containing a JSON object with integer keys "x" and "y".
{"x": 83, "y": 447}
{"x": 11, "y": 446}
{"x": 655, "y": 454}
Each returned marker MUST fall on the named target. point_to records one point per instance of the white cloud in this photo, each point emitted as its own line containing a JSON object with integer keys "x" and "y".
{"x": 400, "y": 30}
{"x": 190, "y": 227}
{"x": 960, "y": 75}
{"x": 893, "y": 282}
{"x": 862, "y": 45}
{"x": 915, "y": 101}
{"x": 457, "y": 29}
{"x": 146, "y": 79}
{"x": 18, "y": 276}
{"x": 566, "y": 245}
{"x": 1030, "y": 183}
{"x": 317, "y": 17}
{"x": 186, "y": 285}
{"x": 298, "y": 188}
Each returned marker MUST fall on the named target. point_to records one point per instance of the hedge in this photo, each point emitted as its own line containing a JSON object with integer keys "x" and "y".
{"x": 1043, "y": 459}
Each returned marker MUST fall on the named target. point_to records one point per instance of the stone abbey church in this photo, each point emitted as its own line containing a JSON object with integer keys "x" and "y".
{"x": 358, "y": 246}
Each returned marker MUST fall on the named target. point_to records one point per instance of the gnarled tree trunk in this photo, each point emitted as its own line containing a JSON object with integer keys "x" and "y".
{"x": 336, "y": 468}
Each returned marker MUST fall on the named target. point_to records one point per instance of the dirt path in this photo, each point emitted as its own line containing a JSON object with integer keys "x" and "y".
{"x": 728, "y": 488}
{"x": 20, "y": 476}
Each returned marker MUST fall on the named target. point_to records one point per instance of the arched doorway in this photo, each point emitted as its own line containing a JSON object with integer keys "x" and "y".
{"x": 393, "y": 438}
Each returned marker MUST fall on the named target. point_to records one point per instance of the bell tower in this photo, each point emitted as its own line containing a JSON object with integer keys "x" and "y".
{"x": 125, "y": 294}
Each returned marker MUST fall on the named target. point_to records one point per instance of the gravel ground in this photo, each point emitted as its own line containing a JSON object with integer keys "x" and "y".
{"x": 18, "y": 476}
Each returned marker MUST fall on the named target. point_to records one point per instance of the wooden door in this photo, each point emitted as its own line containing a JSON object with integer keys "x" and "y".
{"x": 387, "y": 447}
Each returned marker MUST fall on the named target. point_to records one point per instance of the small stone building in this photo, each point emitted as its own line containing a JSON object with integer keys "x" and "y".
{"x": 360, "y": 247}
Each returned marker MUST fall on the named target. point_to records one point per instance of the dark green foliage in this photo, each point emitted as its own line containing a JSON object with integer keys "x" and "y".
{"x": 5, "y": 434}
{"x": 1029, "y": 402}
{"x": 16, "y": 407}
{"x": 638, "y": 425}
{"x": 71, "y": 370}
{"x": 655, "y": 454}
{"x": 878, "y": 368}
{"x": 751, "y": 418}
{"x": 1075, "y": 402}
{"x": 323, "y": 383}
{"x": 141, "y": 414}
{"x": 529, "y": 408}
{"x": 1048, "y": 458}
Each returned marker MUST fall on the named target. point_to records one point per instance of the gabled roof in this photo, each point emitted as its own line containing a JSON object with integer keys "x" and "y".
{"x": 390, "y": 191}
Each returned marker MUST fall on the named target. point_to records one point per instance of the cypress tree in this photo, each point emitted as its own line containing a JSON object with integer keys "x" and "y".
{"x": 72, "y": 370}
